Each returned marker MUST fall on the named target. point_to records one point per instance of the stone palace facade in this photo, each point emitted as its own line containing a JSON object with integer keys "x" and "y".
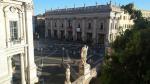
{"x": 16, "y": 44}
{"x": 97, "y": 24}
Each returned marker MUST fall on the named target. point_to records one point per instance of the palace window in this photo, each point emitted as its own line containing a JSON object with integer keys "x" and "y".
{"x": 78, "y": 25}
{"x": 101, "y": 26}
{"x": 124, "y": 18}
{"x": 115, "y": 26}
{"x": 55, "y": 24}
{"x": 89, "y": 25}
{"x": 69, "y": 23}
{"x": 62, "y": 25}
{"x": 14, "y": 30}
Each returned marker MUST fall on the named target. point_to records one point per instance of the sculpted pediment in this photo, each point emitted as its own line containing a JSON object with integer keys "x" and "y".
{"x": 12, "y": 9}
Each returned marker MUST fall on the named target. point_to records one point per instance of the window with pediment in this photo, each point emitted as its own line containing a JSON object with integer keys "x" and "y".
{"x": 14, "y": 30}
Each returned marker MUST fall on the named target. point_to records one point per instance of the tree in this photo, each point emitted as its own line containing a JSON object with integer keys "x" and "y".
{"x": 129, "y": 62}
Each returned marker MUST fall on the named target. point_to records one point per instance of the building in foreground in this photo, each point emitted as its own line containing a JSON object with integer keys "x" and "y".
{"x": 98, "y": 24}
{"x": 16, "y": 45}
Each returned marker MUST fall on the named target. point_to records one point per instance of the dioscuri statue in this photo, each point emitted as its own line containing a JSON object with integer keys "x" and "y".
{"x": 68, "y": 73}
{"x": 84, "y": 54}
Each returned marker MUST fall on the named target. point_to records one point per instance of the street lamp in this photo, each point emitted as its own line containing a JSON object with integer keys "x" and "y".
{"x": 42, "y": 64}
{"x": 38, "y": 42}
{"x": 41, "y": 57}
{"x": 63, "y": 54}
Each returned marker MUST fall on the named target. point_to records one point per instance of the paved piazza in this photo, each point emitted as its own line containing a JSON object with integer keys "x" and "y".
{"x": 50, "y": 53}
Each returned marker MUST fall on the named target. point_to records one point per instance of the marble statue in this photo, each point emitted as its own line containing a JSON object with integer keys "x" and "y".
{"x": 84, "y": 54}
{"x": 68, "y": 73}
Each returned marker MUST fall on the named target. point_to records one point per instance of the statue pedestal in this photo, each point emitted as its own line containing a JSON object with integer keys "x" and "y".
{"x": 84, "y": 69}
{"x": 67, "y": 82}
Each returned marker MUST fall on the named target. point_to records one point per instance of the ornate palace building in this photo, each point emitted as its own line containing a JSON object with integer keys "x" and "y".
{"x": 16, "y": 45}
{"x": 146, "y": 14}
{"x": 97, "y": 24}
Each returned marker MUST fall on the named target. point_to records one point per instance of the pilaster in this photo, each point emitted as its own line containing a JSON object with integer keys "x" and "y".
{"x": 51, "y": 26}
{"x": 58, "y": 28}
{"x": 74, "y": 30}
{"x": 31, "y": 68}
{"x": 94, "y": 31}
{"x": 65, "y": 26}
{"x": 23, "y": 81}
{"x": 46, "y": 28}
{"x": 83, "y": 30}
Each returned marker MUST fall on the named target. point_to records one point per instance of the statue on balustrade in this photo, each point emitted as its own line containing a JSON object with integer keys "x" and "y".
{"x": 84, "y": 54}
{"x": 68, "y": 75}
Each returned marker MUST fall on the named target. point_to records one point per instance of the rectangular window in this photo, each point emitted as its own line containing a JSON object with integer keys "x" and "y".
{"x": 69, "y": 24}
{"x": 78, "y": 25}
{"x": 55, "y": 24}
{"x": 14, "y": 30}
{"x": 124, "y": 17}
{"x": 62, "y": 25}
{"x": 101, "y": 26}
{"x": 89, "y": 25}
{"x": 115, "y": 26}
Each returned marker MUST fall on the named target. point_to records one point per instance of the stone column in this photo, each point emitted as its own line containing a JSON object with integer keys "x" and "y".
{"x": 31, "y": 67}
{"x": 10, "y": 66}
{"x": 107, "y": 34}
{"x": 94, "y": 31}
{"x": 23, "y": 81}
{"x": 58, "y": 28}
{"x": 74, "y": 29}
{"x": 46, "y": 27}
{"x": 108, "y": 30}
{"x": 65, "y": 26}
{"x": 52, "y": 31}
{"x": 83, "y": 30}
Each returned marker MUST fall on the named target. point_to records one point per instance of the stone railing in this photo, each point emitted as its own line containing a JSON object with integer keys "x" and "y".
{"x": 83, "y": 80}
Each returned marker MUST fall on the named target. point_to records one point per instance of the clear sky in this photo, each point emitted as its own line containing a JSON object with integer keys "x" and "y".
{"x": 41, "y": 5}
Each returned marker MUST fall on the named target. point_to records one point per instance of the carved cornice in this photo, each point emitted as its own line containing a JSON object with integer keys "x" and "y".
{"x": 29, "y": 6}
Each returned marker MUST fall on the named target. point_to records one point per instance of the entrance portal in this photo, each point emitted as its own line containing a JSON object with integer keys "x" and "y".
{"x": 16, "y": 68}
{"x": 89, "y": 38}
{"x": 55, "y": 34}
{"x": 70, "y": 36}
{"x": 79, "y": 38}
{"x": 101, "y": 39}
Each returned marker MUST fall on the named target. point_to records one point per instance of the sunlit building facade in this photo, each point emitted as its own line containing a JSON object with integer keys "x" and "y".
{"x": 146, "y": 14}
{"x": 16, "y": 44}
{"x": 97, "y": 24}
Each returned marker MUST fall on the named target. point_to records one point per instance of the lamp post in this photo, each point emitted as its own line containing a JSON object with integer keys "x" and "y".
{"x": 41, "y": 57}
{"x": 63, "y": 54}
{"x": 38, "y": 42}
{"x": 42, "y": 64}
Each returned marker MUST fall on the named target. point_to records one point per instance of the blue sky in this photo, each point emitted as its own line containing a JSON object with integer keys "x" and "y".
{"x": 41, "y": 5}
